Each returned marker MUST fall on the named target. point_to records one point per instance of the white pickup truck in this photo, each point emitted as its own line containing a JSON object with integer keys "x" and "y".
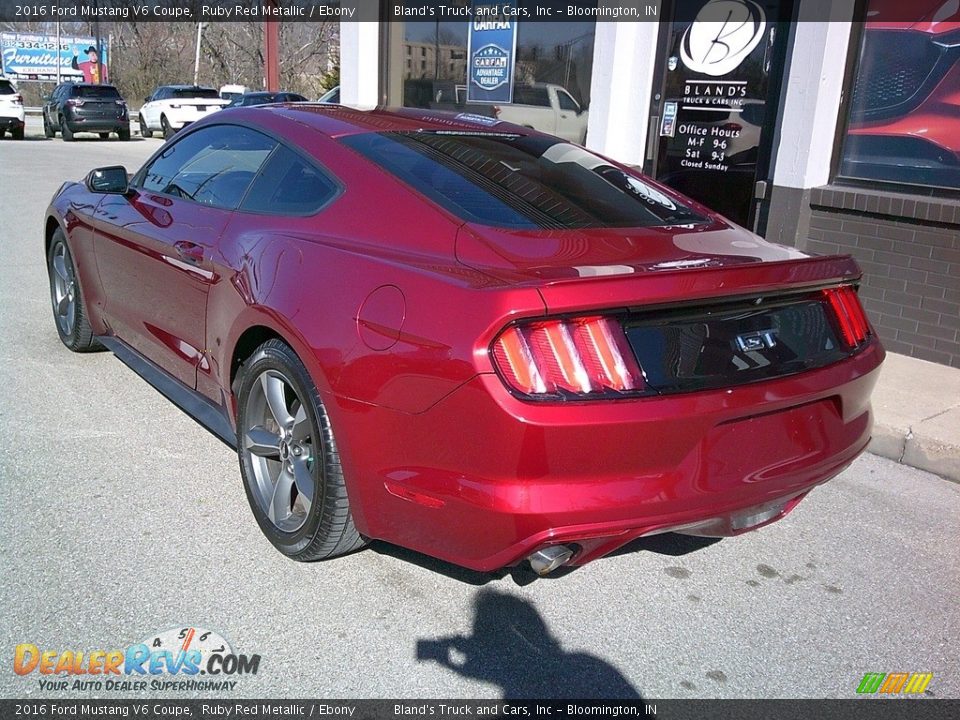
{"x": 548, "y": 108}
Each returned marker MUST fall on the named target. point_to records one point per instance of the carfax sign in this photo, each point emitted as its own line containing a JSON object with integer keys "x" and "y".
{"x": 27, "y": 56}
{"x": 492, "y": 51}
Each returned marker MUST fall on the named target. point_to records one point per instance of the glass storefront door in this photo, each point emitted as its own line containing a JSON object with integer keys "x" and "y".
{"x": 715, "y": 101}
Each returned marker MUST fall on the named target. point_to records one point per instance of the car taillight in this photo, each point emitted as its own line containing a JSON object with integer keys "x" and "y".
{"x": 18, "y": 99}
{"x": 584, "y": 356}
{"x": 75, "y": 102}
{"x": 849, "y": 315}
{"x": 121, "y": 102}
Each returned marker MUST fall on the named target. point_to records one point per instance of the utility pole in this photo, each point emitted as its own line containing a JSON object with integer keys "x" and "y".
{"x": 196, "y": 59}
{"x": 271, "y": 52}
{"x": 96, "y": 32}
{"x": 59, "y": 60}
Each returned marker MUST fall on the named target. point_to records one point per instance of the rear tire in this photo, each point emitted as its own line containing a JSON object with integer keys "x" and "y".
{"x": 104, "y": 136}
{"x": 17, "y": 133}
{"x": 48, "y": 130}
{"x": 69, "y": 312}
{"x": 144, "y": 130}
{"x": 123, "y": 134}
{"x": 3, "y": 131}
{"x": 65, "y": 132}
{"x": 289, "y": 460}
{"x": 168, "y": 131}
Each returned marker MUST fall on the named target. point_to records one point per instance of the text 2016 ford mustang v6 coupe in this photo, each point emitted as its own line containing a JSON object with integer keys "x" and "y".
{"x": 464, "y": 336}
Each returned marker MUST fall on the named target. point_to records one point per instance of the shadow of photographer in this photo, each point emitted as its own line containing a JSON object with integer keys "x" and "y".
{"x": 511, "y": 647}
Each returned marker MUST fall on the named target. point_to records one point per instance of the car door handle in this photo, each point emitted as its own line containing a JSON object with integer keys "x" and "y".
{"x": 189, "y": 252}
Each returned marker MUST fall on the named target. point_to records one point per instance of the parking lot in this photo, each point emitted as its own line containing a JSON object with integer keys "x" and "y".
{"x": 123, "y": 519}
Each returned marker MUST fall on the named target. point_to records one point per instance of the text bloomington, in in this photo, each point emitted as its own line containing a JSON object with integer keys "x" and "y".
{"x": 206, "y": 12}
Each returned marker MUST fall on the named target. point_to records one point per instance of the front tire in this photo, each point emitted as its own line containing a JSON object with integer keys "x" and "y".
{"x": 289, "y": 459}
{"x": 69, "y": 312}
{"x": 144, "y": 130}
{"x": 168, "y": 131}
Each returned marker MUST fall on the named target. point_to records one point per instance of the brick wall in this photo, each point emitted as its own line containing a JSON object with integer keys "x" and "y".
{"x": 910, "y": 262}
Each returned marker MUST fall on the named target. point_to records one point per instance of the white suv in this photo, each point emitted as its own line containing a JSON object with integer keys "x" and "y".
{"x": 172, "y": 107}
{"x": 11, "y": 110}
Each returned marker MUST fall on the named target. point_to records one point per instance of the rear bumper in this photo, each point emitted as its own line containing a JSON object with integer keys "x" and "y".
{"x": 96, "y": 124}
{"x": 483, "y": 479}
{"x": 179, "y": 119}
{"x": 11, "y": 123}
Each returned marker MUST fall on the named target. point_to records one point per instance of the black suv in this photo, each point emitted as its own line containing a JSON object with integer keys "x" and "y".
{"x": 82, "y": 107}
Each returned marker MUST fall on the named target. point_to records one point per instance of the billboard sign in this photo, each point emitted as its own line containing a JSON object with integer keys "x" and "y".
{"x": 30, "y": 57}
{"x": 492, "y": 51}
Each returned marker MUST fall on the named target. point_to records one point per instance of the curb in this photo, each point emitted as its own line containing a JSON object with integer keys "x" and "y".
{"x": 917, "y": 450}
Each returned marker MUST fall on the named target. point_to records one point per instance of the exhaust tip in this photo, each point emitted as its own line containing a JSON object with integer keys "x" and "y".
{"x": 545, "y": 561}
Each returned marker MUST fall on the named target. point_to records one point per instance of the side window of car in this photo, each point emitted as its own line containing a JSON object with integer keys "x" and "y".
{"x": 567, "y": 102}
{"x": 529, "y": 95}
{"x": 289, "y": 185}
{"x": 213, "y": 166}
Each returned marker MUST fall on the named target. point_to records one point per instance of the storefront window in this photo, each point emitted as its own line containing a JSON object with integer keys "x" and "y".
{"x": 904, "y": 115}
{"x": 551, "y": 72}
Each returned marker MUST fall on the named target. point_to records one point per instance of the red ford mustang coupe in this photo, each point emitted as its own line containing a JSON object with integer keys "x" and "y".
{"x": 463, "y": 336}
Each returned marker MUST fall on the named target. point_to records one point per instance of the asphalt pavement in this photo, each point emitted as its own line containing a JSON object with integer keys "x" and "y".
{"x": 120, "y": 518}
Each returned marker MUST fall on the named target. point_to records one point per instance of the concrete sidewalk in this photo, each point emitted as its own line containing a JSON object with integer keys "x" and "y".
{"x": 917, "y": 415}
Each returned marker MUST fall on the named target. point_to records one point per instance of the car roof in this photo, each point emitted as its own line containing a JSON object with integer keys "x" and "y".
{"x": 340, "y": 120}
{"x": 188, "y": 87}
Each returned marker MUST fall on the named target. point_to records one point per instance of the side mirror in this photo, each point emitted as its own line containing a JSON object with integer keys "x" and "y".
{"x": 111, "y": 180}
{"x": 146, "y": 99}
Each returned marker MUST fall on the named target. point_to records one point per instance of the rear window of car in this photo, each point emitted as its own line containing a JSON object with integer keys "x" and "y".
{"x": 6, "y": 88}
{"x": 520, "y": 181}
{"x": 259, "y": 98}
{"x": 104, "y": 92}
{"x": 205, "y": 93}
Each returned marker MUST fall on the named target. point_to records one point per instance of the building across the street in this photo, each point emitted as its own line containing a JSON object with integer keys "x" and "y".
{"x": 829, "y": 125}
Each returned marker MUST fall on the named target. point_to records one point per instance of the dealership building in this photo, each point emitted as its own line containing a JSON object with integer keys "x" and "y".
{"x": 828, "y": 125}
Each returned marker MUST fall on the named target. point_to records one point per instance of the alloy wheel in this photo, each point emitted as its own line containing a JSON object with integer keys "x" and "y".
{"x": 64, "y": 289}
{"x": 279, "y": 440}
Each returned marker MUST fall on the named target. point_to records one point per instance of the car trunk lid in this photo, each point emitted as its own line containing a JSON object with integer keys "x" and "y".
{"x": 701, "y": 307}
